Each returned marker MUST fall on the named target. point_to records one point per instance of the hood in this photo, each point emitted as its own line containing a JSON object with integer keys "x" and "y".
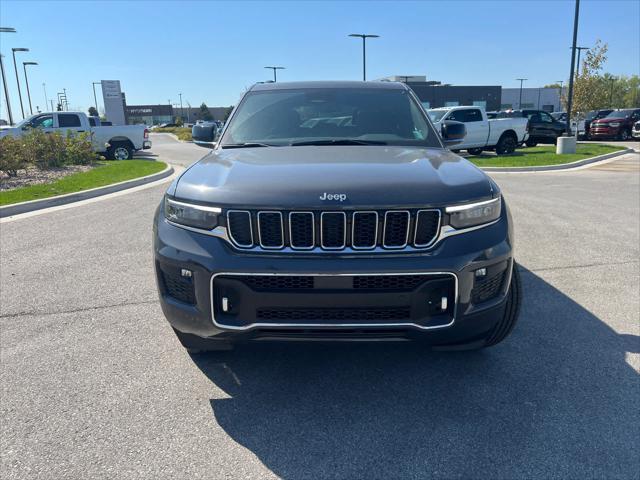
{"x": 295, "y": 177}
{"x": 609, "y": 120}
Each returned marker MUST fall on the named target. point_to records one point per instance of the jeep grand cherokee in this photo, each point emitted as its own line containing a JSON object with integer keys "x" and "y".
{"x": 334, "y": 211}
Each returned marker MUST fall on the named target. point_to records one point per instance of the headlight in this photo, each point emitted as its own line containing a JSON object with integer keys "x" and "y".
{"x": 470, "y": 215}
{"x": 197, "y": 216}
{"x": 614, "y": 124}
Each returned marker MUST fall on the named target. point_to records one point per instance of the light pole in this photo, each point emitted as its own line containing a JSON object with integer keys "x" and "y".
{"x": 522, "y": 80}
{"x": 573, "y": 64}
{"x": 275, "y": 77}
{"x": 181, "y": 109}
{"x": 46, "y": 101}
{"x": 364, "y": 37}
{"x": 560, "y": 96}
{"x": 4, "y": 76}
{"x": 26, "y": 81}
{"x": 578, "y": 62}
{"x": 95, "y": 99}
{"x": 15, "y": 66}
{"x": 188, "y": 111}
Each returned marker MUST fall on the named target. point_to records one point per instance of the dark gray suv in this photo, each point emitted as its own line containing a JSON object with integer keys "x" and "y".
{"x": 334, "y": 211}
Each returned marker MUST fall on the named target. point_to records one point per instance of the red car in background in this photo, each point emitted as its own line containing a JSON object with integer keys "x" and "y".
{"x": 617, "y": 124}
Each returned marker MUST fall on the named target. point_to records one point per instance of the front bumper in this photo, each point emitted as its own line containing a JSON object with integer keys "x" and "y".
{"x": 449, "y": 269}
{"x": 603, "y": 131}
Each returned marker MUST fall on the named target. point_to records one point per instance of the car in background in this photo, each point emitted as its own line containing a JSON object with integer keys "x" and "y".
{"x": 617, "y": 124}
{"x": 502, "y": 135}
{"x": 635, "y": 133}
{"x": 593, "y": 115}
{"x": 206, "y": 131}
{"x": 543, "y": 128}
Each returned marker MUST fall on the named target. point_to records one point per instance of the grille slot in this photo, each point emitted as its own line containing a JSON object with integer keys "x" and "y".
{"x": 278, "y": 282}
{"x": 334, "y": 314}
{"x": 177, "y": 286}
{"x": 488, "y": 288}
{"x": 302, "y": 230}
{"x": 364, "y": 230}
{"x": 270, "y": 229}
{"x": 388, "y": 282}
{"x": 427, "y": 226}
{"x": 396, "y": 229}
{"x": 333, "y": 231}
{"x": 239, "y": 223}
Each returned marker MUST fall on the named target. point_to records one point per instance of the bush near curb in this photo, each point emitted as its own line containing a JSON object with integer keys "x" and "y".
{"x": 44, "y": 151}
{"x": 183, "y": 133}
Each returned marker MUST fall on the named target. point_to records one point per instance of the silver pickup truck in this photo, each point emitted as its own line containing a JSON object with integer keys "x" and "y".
{"x": 118, "y": 142}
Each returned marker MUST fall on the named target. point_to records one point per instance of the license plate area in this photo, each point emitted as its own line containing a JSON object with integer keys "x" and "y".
{"x": 421, "y": 300}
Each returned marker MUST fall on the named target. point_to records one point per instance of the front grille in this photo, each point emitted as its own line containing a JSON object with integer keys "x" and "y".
{"x": 388, "y": 282}
{"x": 333, "y": 230}
{"x": 488, "y": 288}
{"x": 333, "y": 314}
{"x": 177, "y": 286}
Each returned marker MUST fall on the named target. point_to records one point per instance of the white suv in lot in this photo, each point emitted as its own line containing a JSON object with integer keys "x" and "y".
{"x": 635, "y": 133}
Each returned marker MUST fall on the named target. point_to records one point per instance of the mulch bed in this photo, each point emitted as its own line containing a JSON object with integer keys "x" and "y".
{"x": 35, "y": 176}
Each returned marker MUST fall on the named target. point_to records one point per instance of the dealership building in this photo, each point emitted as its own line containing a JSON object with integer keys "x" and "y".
{"x": 434, "y": 94}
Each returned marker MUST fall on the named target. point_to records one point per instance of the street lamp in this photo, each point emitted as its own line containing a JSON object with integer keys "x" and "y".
{"x": 26, "y": 80}
{"x": 4, "y": 77}
{"x": 578, "y": 63}
{"x": 95, "y": 99}
{"x": 15, "y": 66}
{"x": 275, "y": 78}
{"x": 364, "y": 37}
{"x": 560, "y": 96}
{"x": 572, "y": 69}
{"x": 522, "y": 80}
{"x": 181, "y": 109}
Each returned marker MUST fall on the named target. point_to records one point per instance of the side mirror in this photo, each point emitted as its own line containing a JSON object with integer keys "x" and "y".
{"x": 452, "y": 132}
{"x": 205, "y": 136}
{"x": 27, "y": 126}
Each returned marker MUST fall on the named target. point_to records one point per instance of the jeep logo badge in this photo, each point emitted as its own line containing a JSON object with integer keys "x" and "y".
{"x": 333, "y": 196}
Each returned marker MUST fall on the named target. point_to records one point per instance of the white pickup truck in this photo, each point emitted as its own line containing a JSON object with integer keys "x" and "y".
{"x": 115, "y": 142}
{"x": 501, "y": 134}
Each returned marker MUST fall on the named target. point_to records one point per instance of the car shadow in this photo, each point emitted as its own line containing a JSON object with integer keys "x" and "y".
{"x": 557, "y": 399}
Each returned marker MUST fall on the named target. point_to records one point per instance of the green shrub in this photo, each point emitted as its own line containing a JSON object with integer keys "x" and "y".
{"x": 45, "y": 150}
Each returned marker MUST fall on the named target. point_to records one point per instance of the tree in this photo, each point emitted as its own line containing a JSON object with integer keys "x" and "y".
{"x": 552, "y": 85}
{"x": 93, "y": 112}
{"x": 205, "y": 114}
{"x": 588, "y": 91}
{"x": 179, "y": 121}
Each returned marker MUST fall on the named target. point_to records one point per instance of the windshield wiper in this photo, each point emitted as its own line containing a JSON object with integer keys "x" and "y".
{"x": 338, "y": 141}
{"x": 246, "y": 145}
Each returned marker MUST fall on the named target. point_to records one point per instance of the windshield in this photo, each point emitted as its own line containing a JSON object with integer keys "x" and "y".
{"x": 620, "y": 114}
{"x": 436, "y": 115}
{"x": 330, "y": 116}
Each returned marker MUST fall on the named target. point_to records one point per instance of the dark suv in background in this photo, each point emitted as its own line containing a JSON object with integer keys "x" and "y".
{"x": 334, "y": 211}
{"x": 543, "y": 128}
{"x": 618, "y": 124}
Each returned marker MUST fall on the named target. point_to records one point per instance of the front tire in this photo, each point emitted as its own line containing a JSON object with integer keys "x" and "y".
{"x": 531, "y": 143}
{"x": 474, "y": 151}
{"x": 624, "y": 135}
{"x": 511, "y": 311}
{"x": 194, "y": 344}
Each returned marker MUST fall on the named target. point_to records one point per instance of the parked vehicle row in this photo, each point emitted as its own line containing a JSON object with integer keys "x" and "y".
{"x": 115, "y": 142}
{"x": 617, "y": 124}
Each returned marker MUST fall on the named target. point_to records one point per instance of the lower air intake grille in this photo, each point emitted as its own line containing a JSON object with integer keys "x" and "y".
{"x": 278, "y": 282}
{"x": 388, "y": 282}
{"x": 177, "y": 286}
{"x": 488, "y": 288}
{"x": 333, "y": 314}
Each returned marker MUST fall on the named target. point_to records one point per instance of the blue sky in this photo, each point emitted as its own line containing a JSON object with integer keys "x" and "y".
{"x": 210, "y": 51}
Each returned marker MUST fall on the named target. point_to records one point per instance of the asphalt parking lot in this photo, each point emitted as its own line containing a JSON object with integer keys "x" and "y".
{"x": 95, "y": 385}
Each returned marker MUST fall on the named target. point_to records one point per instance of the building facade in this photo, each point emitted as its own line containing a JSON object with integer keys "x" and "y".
{"x": 158, "y": 114}
{"x": 547, "y": 99}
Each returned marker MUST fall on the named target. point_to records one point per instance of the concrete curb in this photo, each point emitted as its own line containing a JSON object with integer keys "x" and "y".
{"x": 32, "y": 205}
{"x": 564, "y": 166}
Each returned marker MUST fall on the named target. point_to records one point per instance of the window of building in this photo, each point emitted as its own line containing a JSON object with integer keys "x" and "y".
{"x": 451, "y": 104}
{"x": 480, "y": 103}
{"x": 68, "y": 120}
{"x": 527, "y": 105}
